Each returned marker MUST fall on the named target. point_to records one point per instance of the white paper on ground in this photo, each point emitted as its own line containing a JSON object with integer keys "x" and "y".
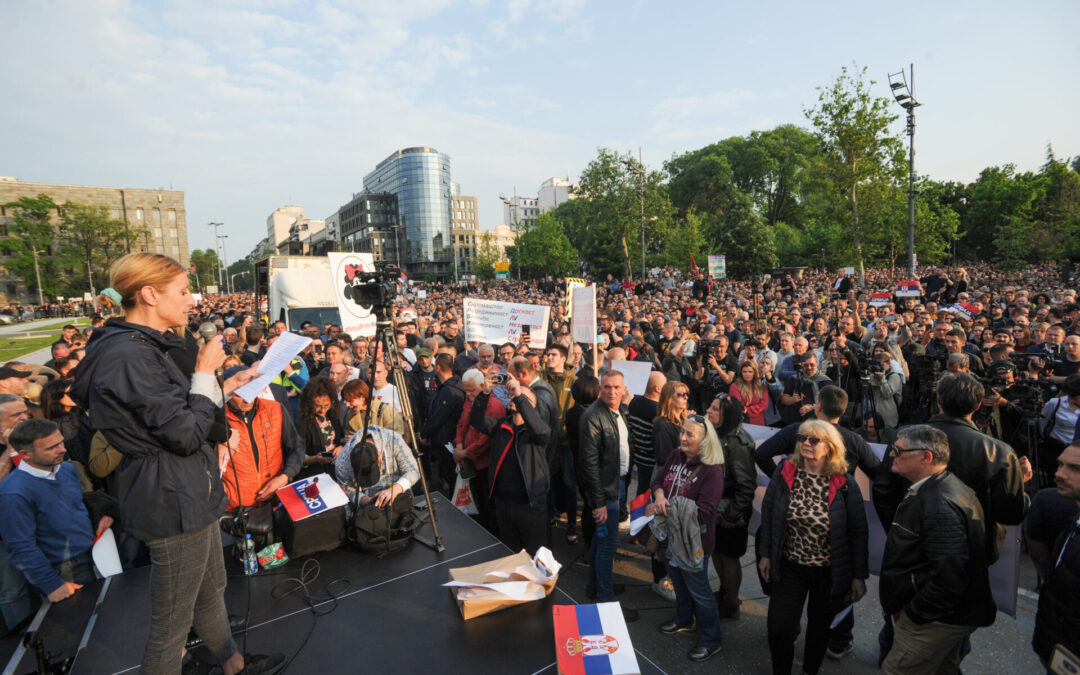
{"x": 106, "y": 557}
{"x": 284, "y": 350}
{"x": 515, "y": 590}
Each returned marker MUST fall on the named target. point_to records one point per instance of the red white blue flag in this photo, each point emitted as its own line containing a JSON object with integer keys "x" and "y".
{"x": 638, "y": 519}
{"x": 593, "y": 640}
{"x": 310, "y": 496}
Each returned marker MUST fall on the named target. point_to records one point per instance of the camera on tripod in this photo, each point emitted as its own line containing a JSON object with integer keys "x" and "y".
{"x": 375, "y": 289}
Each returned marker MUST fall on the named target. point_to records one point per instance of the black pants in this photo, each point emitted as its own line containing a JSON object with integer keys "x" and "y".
{"x": 479, "y": 486}
{"x": 521, "y": 526}
{"x": 789, "y": 593}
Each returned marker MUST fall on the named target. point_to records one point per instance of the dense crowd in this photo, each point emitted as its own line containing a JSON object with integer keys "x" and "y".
{"x": 971, "y": 382}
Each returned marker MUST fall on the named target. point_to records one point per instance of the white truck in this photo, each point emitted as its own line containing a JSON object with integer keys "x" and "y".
{"x": 295, "y": 289}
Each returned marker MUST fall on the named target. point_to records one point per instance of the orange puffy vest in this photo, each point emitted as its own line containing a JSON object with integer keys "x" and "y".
{"x": 265, "y": 434}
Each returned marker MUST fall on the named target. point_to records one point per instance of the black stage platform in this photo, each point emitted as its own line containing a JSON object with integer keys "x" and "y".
{"x": 393, "y": 617}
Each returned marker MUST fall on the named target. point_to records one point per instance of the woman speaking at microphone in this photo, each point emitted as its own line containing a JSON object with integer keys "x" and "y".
{"x": 171, "y": 490}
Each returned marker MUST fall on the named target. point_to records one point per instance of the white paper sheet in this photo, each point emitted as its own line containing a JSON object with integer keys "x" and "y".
{"x": 284, "y": 350}
{"x": 106, "y": 557}
{"x": 515, "y": 590}
{"x": 635, "y": 373}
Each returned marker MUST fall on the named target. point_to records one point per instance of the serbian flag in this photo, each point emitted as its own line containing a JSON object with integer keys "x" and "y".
{"x": 403, "y": 278}
{"x": 693, "y": 265}
{"x": 964, "y": 309}
{"x": 592, "y": 640}
{"x": 908, "y": 289}
{"x": 880, "y": 299}
{"x": 638, "y": 519}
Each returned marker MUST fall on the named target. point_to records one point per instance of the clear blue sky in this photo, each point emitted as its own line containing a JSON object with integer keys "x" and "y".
{"x": 250, "y": 105}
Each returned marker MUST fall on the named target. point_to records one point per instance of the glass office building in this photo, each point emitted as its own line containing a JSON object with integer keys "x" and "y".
{"x": 420, "y": 179}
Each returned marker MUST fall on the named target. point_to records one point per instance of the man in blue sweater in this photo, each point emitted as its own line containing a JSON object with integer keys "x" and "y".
{"x": 46, "y": 527}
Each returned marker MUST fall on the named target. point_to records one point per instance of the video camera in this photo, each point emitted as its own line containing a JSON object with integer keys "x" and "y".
{"x": 375, "y": 289}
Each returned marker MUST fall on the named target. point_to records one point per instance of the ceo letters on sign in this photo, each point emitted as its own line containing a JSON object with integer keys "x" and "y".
{"x": 492, "y": 322}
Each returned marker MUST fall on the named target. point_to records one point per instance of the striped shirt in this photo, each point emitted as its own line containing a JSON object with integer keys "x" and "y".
{"x": 641, "y": 413}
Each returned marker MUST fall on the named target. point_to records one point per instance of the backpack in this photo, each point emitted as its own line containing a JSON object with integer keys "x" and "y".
{"x": 386, "y": 530}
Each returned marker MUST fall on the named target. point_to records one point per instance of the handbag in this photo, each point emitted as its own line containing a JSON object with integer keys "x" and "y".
{"x": 463, "y": 498}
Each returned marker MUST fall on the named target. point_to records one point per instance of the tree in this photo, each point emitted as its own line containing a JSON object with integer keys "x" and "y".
{"x": 487, "y": 254}
{"x": 30, "y": 241}
{"x": 858, "y": 148}
{"x": 206, "y": 264}
{"x": 743, "y": 236}
{"x": 92, "y": 242}
{"x": 242, "y": 274}
{"x": 543, "y": 250}
{"x": 682, "y": 239}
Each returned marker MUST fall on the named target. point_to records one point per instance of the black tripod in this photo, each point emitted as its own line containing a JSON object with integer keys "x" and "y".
{"x": 384, "y": 332}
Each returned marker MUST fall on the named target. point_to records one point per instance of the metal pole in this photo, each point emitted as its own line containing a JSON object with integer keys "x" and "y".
{"x": 221, "y": 282}
{"x": 911, "y": 179}
{"x": 225, "y": 261}
{"x": 641, "y": 194}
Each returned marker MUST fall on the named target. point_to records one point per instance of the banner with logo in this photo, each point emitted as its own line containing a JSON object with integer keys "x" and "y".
{"x": 346, "y": 273}
{"x": 502, "y": 271}
{"x": 964, "y": 309}
{"x": 583, "y": 323}
{"x": 495, "y": 323}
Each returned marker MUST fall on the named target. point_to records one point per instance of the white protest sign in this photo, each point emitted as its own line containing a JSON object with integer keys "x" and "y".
{"x": 493, "y": 322}
{"x": 583, "y": 323}
{"x": 345, "y": 274}
{"x": 635, "y": 374}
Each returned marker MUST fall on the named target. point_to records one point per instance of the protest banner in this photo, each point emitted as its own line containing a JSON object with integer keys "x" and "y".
{"x": 492, "y": 322}
{"x": 571, "y": 284}
{"x": 880, "y": 299}
{"x": 346, "y": 271}
{"x": 583, "y": 323}
{"x": 717, "y": 267}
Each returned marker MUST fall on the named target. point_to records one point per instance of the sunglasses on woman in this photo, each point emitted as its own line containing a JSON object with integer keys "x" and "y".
{"x": 813, "y": 440}
{"x": 682, "y": 394}
{"x": 700, "y": 419}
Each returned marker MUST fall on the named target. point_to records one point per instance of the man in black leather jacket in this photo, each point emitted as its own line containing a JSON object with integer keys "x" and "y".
{"x": 986, "y": 465}
{"x": 439, "y": 427}
{"x": 604, "y": 449}
{"x": 935, "y": 583}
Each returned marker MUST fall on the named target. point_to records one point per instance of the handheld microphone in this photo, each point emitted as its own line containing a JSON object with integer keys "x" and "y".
{"x": 207, "y": 330}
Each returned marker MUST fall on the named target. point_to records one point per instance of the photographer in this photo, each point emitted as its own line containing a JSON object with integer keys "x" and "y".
{"x": 842, "y": 368}
{"x": 886, "y": 389}
{"x": 716, "y": 371}
{"x": 800, "y": 392}
{"x": 1059, "y": 422}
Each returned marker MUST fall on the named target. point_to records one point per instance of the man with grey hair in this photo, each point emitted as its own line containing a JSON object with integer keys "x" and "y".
{"x": 486, "y": 364}
{"x": 935, "y": 584}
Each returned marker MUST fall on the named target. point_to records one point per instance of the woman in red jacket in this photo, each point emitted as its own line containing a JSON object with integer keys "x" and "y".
{"x": 750, "y": 389}
{"x": 472, "y": 444}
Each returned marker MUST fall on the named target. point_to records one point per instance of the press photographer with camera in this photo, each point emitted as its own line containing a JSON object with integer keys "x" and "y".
{"x": 886, "y": 388}
{"x": 716, "y": 370}
{"x": 800, "y": 392}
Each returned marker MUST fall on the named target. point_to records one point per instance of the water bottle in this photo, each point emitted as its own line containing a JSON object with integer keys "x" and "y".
{"x": 251, "y": 561}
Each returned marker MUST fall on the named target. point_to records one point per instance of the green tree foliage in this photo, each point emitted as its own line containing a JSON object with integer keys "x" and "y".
{"x": 682, "y": 239}
{"x": 244, "y": 271}
{"x": 487, "y": 254}
{"x": 206, "y": 266}
{"x": 29, "y": 245}
{"x": 743, "y": 236}
{"x": 858, "y": 151}
{"x": 543, "y": 250}
{"x": 92, "y": 242}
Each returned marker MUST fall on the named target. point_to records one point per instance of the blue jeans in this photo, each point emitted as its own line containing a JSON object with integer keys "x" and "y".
{"x": 15, "y": 595}
{"x": 602, "y": 549}
{"x": 694, "y": 596}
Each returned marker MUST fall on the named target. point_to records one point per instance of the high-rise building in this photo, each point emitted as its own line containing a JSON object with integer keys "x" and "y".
{"x": 369, "y": 224}
{"x": 465, "y": 221}
{"x": 554, "y": 191}
{"x": 279, "y": 222}
{"x": 420, "y": 179}
{"x": 159, "y": 214}
{"x": 520, "y": 212}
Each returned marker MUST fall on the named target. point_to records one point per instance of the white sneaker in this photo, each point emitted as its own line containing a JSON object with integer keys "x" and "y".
{"x": 665, "y": 589}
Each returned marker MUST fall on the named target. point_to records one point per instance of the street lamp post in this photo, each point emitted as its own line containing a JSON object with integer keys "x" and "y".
{"x": 221, "y": 281}
{"x": 225, "y": 260}
{"x": 903, "y": 88}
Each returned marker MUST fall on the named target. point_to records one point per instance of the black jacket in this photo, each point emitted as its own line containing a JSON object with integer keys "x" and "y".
{"x": 548, "y": 408}
{"x": 598, "y": 449}
{"x": 740, "y": 479}
{"x": 848, "y": 531}
{"x": 665, "y": 438}
{"x": 986, "y": 465}
{"x": 934, "y": 566}
{"x": 857, "y": 451}
{"x": 1058, "y": 618}
{"x": 529, "y": 443}
{"x": 441, "y": 423}
{"x": 138, "y": 399}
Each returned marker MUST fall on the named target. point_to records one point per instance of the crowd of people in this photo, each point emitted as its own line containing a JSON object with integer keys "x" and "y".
{"x": 971, "y": 382}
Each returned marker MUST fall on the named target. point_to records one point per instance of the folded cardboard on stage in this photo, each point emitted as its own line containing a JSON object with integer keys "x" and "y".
{"x": 505, "y": 582}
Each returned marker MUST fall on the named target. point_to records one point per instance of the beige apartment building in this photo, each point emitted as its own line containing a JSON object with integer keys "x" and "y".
{"x": 160, "y": 212}
{"x": 465, "y": 223}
